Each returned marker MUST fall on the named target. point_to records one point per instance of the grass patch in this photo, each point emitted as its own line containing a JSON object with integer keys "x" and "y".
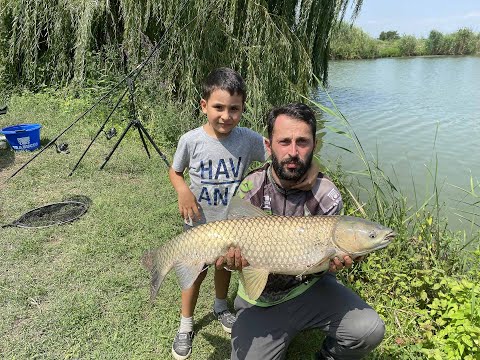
{"x": 79, "y": 291}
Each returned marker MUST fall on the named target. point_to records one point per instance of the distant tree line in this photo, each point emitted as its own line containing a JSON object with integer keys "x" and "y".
{"x": 350, "y": 42}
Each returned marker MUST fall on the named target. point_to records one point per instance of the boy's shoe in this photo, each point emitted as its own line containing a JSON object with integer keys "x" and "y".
{"x": 182, "y": 345}
{"x": 227, "y": 319}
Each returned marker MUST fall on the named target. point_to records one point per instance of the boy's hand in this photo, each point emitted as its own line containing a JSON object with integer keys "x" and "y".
{"x": 308, "y": 180}
{"x": 188, "y": 206}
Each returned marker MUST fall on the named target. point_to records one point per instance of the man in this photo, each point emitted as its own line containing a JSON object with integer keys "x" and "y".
{"x": 266, "y": 326}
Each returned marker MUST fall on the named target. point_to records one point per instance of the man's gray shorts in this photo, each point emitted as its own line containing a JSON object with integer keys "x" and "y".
{"x": 352, "y": 327}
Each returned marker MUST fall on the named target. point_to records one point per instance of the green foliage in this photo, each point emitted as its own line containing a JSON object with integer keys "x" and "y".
{"x": 56, "y": 42}
{"x": 351, "y": 42}
{"x": 435, "y": 42}
{"x": 407, "y": 45}
{"x": 389, "y": 35}
{"x": 389, "y": 49}
{"x": 450, "y": 322}
{"x": 462, "y": 42}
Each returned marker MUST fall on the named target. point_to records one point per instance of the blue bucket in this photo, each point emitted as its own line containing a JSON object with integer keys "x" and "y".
{"x": 23, "y": 136}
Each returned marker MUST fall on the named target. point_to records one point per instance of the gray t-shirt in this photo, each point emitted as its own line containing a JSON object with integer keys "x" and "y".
{"x": 217, "y": 166}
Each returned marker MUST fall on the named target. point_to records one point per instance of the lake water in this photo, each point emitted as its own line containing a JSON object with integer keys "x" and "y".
{"x": 396, "y": 106}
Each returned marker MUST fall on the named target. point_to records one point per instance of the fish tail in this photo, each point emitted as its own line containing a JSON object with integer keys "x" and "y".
{"x": 155, "y": 264}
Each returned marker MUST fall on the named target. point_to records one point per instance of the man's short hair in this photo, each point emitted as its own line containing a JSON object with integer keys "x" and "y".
{"x": 297, "y": 111}
{"x": 224, "y": 79}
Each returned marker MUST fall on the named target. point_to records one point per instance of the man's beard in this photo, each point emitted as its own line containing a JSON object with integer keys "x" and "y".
{"x": 284, "y": 173}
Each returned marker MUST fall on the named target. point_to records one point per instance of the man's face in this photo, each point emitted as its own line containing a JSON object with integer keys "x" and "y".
{"x": 291, "y": 148}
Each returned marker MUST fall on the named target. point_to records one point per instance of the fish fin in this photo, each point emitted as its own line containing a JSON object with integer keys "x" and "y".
{"x": 157, "y": 276}
{"x": 322, "y": 265}
{"x": 253, "y": 281}
{"x": 325, "y": 257}
{"x": 239, "y": 208}
{"x": 187, "y": 273}
{"x": 147, "y": 260}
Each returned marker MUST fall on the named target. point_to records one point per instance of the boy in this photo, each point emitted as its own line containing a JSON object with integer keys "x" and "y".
{"x": 217, "y": 156}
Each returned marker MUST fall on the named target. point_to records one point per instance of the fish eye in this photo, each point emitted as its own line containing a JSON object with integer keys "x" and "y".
{"x": 372, "y": 235}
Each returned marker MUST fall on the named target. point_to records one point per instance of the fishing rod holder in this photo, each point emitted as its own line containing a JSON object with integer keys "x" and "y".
{"x": 135, "y": 122}
{"x": 129, "y": 78}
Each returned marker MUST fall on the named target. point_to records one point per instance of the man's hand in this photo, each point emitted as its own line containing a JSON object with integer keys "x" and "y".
{"x": 336, "y": 264}
{"x": 232, "y": 260}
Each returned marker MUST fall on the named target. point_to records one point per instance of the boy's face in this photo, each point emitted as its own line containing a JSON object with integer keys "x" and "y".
{"x": 223, "y": 112}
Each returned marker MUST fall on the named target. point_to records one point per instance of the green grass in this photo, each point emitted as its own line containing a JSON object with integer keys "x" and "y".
{"x": 79, "y": 290}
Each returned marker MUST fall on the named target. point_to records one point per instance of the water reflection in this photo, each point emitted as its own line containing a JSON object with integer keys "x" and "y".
{"x": 412, "y": 112}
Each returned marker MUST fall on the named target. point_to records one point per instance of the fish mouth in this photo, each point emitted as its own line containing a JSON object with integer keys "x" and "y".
{"x": 390, "y": 236}
{"x": 386, "y": 240}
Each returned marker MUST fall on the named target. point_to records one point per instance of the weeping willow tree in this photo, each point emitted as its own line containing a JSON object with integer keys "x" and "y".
{"x": 278, "y": 46}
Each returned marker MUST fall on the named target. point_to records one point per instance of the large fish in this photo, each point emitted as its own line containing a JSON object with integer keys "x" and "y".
{"x": 271, "y": 244}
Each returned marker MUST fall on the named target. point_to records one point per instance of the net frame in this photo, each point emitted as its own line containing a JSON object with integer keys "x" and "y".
{"x": 55, "y": 215}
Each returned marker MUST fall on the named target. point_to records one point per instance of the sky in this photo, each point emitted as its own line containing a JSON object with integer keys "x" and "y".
{"x": 418, "y": 17}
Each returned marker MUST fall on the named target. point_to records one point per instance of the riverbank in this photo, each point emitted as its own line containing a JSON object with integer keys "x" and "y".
{"x": 350, "y": 42}
{"x": 79, "y": 291}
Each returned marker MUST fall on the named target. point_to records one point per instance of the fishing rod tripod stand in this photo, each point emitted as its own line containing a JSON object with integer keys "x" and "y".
{"x": 135, "y": 122}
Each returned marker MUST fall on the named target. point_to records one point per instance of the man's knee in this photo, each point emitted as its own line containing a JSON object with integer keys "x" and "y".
{"x": 376, "y": 336}
{"x": 366, "y": 331}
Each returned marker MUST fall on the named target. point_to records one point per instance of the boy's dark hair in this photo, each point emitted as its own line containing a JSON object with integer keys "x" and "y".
{"x": 224, "y": 79}
{"x": 297, "y": 111}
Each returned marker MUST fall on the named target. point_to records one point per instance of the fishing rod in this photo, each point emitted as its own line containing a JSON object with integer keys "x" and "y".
{"x": 132, "y": 75}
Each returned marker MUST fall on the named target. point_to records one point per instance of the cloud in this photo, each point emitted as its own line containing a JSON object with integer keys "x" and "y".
{"x": 472, "y": 14}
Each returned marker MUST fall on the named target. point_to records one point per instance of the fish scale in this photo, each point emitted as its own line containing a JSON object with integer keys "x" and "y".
{"x": 291, "y": 240}
{"x": 271, "y": 244}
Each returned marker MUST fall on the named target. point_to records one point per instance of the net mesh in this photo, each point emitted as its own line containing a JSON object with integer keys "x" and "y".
{"x": 52, "y": 214}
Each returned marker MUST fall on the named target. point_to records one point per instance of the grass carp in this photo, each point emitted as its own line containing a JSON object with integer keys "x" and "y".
{"x": 270, "y": 243}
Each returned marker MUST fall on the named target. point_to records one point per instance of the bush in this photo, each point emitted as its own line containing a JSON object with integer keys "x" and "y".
{"x": 450, "y": 325}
